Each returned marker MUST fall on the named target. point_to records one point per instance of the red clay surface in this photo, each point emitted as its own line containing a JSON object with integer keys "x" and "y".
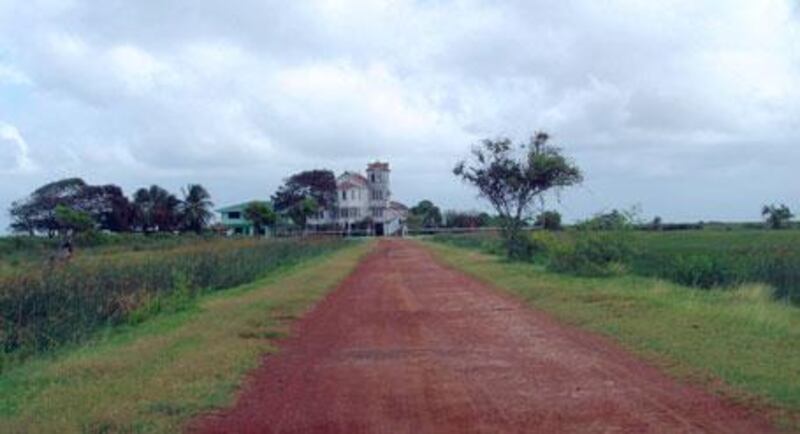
{"x": 407, "y": 345}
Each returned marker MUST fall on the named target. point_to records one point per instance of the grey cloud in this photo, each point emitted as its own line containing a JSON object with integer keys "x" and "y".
{"x": 218, "y": 92}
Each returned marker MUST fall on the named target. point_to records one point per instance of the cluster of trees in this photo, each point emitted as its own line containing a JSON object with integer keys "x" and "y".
{"x": 71, "y": 205}
{"x": 426, "y": 215}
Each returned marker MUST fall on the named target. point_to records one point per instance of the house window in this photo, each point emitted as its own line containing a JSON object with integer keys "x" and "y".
{"x": 372, "y": 177}
{"x": 234, "y": 215}
{"x": 344, "y": 194}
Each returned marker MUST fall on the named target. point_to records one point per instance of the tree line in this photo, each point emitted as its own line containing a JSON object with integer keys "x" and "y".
{"x": 72, "y": 205}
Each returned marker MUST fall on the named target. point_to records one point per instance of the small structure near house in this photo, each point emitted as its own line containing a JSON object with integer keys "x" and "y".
{"x": 234, "y": 220}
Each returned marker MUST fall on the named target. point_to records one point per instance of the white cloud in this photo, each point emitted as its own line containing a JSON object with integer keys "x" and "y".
{"x": 15, "y": 151}
{"x": 658, "y": 92}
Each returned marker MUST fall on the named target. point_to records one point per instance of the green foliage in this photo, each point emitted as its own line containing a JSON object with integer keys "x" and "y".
{"x": 44, "y": 307}
{"x": 466, "y": 219}
{"x": 195, "y": 208}
{"x": 723, "y": 258}
{"x": 697, "y": 258}
{"x": 304, "y": 194}
{"x": 425, "y": 215}
{"x": 106, "y": 205}
{"x": 777, "y": 217}
{"x": 592, "y": 253}
{"x": 261, "y": 216}
{"x": 549, "y": 220}
{"x": 73, "y": 221}
{"x": 156, "y": 210}
{"x": 155, "y": 376}
{"x": 56, "y": 207}
{"x": 700, "y": 271}
{"x": 610, "y": 221}
{"x": 511, "y": 177}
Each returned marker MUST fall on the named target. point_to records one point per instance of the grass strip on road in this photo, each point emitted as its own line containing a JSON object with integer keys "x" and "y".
{"x": 737, "y": 342}
{"x": 154, "y": 376}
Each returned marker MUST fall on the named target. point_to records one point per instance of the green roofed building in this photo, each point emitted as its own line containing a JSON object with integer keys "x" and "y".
{"x": 233, "y": 218}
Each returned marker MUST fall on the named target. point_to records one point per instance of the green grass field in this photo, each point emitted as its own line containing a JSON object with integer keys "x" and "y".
{"x": 700, "y": 258}
{"x": 738, "y": 342}
{"x": 152, "y": 377}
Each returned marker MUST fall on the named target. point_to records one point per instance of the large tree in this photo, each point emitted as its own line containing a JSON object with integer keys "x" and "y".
{"x": 549, "y": 220}
{"x": 106, "y": 205}
{"x": 37, "y": 212}
{"x": 156, "y": 209}
{"x": 512, "y": 177}
{"x": 304, "y": 193}
{"x": 425, "y": 215}
{"x": 195, "y": 208}
{"x": 777, "y": 217}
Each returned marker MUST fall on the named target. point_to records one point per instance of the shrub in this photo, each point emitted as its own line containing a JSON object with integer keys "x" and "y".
{"x": 592, "y": 253}
{"x": 701, "y": 271}
{"x": 549, "y": 220}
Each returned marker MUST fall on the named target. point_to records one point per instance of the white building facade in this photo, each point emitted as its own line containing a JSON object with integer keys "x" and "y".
{"x": 363, "y": 203}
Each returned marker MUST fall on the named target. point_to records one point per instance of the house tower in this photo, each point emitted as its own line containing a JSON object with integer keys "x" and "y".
{"x": 379, "y": 192}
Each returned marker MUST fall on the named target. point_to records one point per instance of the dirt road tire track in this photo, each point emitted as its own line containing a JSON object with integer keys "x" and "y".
{"x": 407, "y": 345}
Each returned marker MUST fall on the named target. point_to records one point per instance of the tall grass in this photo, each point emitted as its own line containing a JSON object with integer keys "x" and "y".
{"x": 25, "y": 251}
{"x": 45, "y": 307}
{"x": 697, "y": 258}
{"x": 709, "y": 259}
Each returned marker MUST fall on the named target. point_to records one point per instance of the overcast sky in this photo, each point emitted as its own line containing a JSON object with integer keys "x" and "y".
{"x": 689, "y": 108}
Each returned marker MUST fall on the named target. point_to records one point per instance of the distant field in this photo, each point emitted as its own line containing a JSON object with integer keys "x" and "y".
{"x": 699, "y": 258}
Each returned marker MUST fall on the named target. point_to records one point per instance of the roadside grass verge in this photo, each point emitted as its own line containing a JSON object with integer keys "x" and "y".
{"x": 154, "y": 376}
{"x": 737, "y": 342}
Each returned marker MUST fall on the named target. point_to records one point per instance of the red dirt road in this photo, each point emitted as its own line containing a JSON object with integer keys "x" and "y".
{"x": 407, "y": 345}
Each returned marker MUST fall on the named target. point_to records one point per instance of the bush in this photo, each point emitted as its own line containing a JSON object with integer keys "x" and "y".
{"x": 549, "y": 220}
{"x": 48, "y": 306}
{"x": 592, "y": 253}
{"x": 701, "y": 271}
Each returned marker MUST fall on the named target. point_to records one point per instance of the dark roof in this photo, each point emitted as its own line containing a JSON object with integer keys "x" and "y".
{"x": 378, "y": 165}
{"x": 398, "y": 206}
{"x": 350, "y": 180}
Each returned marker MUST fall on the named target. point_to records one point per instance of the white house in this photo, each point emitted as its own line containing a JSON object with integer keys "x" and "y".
{"x": 364, "y": 203}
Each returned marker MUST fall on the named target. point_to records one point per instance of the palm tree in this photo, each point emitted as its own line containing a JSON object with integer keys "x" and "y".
{"x": 195, "y": 208}
{"x": 156, "y": 209}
